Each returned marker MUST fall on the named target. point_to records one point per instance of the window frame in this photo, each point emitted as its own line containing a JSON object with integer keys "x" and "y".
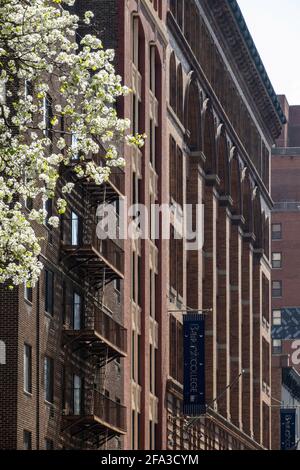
{"x": 277, "y": 261}
{"x": 49, "y": 296}
{"x": 27, "y": 434}
{"x": 28, "y": 293}
{"x": 77, "y": 395}
{"x": 27, "y": 368}
{"x": 278, "y": 348}
{"x": 274, "y": 238}
{"x": 279, "y": 290}
{"x": 75, "y": 234}
{"x": 277, "y": 320}
{"x": 49, "y": 379}
{"x": 77, "y": 312}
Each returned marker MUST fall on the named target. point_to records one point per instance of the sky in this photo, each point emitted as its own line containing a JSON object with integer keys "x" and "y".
{"x": 275, "y": 28}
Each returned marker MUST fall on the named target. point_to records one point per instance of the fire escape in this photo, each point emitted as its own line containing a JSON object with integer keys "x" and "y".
{"x": 97, "y": 262}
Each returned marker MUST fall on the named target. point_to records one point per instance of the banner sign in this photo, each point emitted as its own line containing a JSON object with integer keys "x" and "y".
{"x": 194, "y": 364}
{"x": 288, "y": 428}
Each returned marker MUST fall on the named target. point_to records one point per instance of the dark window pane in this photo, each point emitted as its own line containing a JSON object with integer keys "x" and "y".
{"x": 48, "y": 378}
{"x": 49, "y": 291}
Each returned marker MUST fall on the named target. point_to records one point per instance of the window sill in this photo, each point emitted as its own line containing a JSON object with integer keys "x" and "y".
{"x": 27, "y": 394}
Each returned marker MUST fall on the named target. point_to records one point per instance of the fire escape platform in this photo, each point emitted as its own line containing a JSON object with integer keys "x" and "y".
{"x": 96, "y": 265}
{"x": 105, "y": 193}
{"x": 91, "y": 423}
{"x": 98, "y": 343}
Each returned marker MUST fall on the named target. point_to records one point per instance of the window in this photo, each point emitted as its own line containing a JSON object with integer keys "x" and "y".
{"x": 49, "y": 291}
{"x": 176, "y": 349}
{"x": 117, "y": 284}
{"x": 77, "y": 311}
{"x": 173, "y": 82}
{"x": 28, "y": 293}
{"x": 133, "y": 430}
{"x": 276, "y": 231}
{"x": 48, "y": 208}
{"x": 27, "y": 368}
{"x": 277, "y": 289}
{"x": 74, "y": 229}
{"x": 276, "y": 317}
{"x": 49, "y": 444}
{"x": 276, "y": 260}
{"x": 74, "y": 146}
{"x": 48, "y": 378}
{"x": 117, "y": 287}
{"x": 135, "y": 41}
{"x": 277, "y": 346}
{"x": 28, "y": 201}
{"x": 28, "y": 89}
{"x": 179, "y": 93}
{"x": 47, "y": 116}
{"x": 77, "y": 395}
{"x": 133, "y": 336}
{"x": 27, "y": 440}
{"x": 153, "y": 122}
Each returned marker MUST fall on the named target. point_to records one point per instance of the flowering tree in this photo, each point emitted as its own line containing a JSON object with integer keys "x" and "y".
{"x": 39, "y": 54}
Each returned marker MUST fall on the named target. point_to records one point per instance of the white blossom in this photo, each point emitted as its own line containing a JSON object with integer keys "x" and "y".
{"x": 38, "y": 48}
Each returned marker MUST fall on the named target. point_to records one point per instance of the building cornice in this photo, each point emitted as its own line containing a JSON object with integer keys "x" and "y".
{"x": 232, "y": 132}
{"x": 229, "y": 20}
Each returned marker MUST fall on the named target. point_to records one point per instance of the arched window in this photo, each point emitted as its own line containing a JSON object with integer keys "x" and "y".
{"x": 138, "y": 60}
{"x": 223, "y": 160}
{"x": 267, "y": 236}
{"x": 155, "y": 103}
{"x": 258, "y": 222}
{"x": 187, "y": 21}
{"x": 209, "y": 139}
{"x": 235, "y": 183}
{"x": 179, "y": 106}
{"x": 247, "y": 203}
{"x": 192, "y": 114}
{"x": 173, "y": 7}
{"x": 2, "y": 353}
{"x": 173, "y": 82}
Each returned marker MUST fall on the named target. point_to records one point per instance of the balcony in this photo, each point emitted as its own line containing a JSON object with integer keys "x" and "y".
{"x": 99, "y": 261}
{"x": 99, "y": 415}
{"x": 95, "y": 331}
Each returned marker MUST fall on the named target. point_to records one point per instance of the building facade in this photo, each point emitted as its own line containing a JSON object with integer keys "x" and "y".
{"x": 285, "y": 252}
{"x": 94, "y": 355}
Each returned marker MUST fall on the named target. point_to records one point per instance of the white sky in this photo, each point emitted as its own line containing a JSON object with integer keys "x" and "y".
{"x": 275, "y": 28}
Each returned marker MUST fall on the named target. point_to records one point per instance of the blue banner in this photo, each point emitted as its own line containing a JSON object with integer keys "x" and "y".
{"x": 194, "y": 364}
{"x": 288, "y": 428}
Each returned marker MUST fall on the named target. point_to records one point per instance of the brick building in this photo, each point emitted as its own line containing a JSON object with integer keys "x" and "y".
{"x": 202, "y": 95}
{"x": 285, "y": 253}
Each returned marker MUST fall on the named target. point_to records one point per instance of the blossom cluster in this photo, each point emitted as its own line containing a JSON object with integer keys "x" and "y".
{"x": 42, "y": 55}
